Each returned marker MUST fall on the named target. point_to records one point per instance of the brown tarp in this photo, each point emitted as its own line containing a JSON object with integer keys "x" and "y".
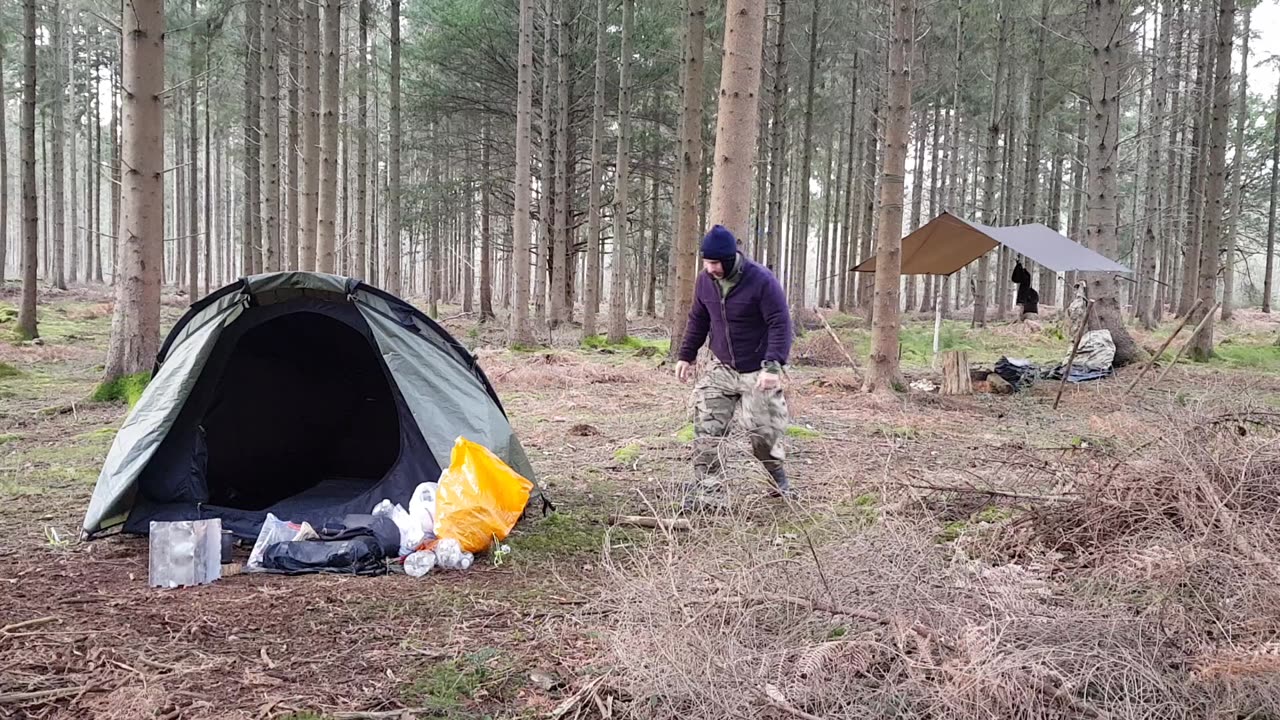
{"x": 947, "y": 243}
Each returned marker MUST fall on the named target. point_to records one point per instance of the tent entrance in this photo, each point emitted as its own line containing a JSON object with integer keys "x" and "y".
{"x": 303, "y": 412}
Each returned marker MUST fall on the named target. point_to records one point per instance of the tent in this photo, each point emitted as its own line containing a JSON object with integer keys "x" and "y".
{"x": 306, "y": 395}
{"x": 948, "y": 242}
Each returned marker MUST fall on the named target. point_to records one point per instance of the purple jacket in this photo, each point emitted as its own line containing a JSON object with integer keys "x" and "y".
{"x": 748, "y": 328}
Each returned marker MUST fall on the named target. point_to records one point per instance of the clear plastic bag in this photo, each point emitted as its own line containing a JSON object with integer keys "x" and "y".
{"x": 410, "y": 532}
{"x": 422, "y": 507}
{"x": 480, "y": 497}
{"x": 274, "y": 530}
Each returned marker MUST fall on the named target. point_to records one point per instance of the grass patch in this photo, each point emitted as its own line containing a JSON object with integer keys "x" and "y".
{"x": 800, "y": 432}
{"x": 897, "y": 432}
{"x": 8, "y": 314}
{"x": 447, "y": 688}
{"x": 1239, "y": 356}
{"x": 128, "y": 388}
{"x": 8, "y": 371}
{"x": 686, "y": 433}
{"x": 559, "y": 534}
{"x": 989, "y": 515}
{"x": 628, "y": 454}
{"x": 9, "y": 437}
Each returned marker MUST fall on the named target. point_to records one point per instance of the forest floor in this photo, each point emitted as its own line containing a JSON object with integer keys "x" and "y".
{"x": 981, "y": 556}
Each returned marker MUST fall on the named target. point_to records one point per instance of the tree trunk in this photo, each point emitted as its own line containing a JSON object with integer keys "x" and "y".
{"x": 917, "y": 203}
{"x": 883, "y": 372}
{"x": 560, "y": 255}
{"x": 777, "y": 143}
{"x": 847, "y": 258}
{"x": 1269, "y": 278}
{"x": 830, "y": 198}
{"x": 193, "y": 163}
{"x": 1237, "y": 176}
{"x": 4, "y": 175}
{"x": 392, "y": 258}
{"x": 361, "y": 259}
{"x": 96, "y": 236}
{"x": 270, "y": 120}
{"x": 800, "y": 242}
{"x": 685, "y": 251}
{"x": 250, "y": 222}
{"x": 486, "y": 230}
{"x": 1107, "y": 37}
{"x": 135, "y": 323}
{"x": 591, "y": 300}
{"x": 521, "y": 333}
{"x": 1078, "y": 160}
{"x": 933, "y": 283}
{"x": 738, "y": 115}
{"x": 618, "y": 293}
{"x": 27, "y": 328}
{"x": 308, "y": 232}
{"x": 991, "y": 156}
{"x": 58, "y": 241}
{"x": 327, "y": 208}
{"x": 1202, "y": 342}
{"x": 1153, "y": 231}
{"x": 293, "y": 152}
{"x": 867, "y": 202}
{"x": 1197, "y": 199}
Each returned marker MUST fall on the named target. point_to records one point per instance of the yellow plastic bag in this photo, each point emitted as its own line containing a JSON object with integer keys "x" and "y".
{"x": 479, "y": 497}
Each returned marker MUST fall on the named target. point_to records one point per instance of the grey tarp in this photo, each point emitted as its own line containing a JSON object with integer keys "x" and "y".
{"x": 947, "y": 243}
{"x": 447, "y": 395}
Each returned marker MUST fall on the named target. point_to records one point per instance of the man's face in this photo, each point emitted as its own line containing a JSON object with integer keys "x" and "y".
{"x": 713, "y": 268}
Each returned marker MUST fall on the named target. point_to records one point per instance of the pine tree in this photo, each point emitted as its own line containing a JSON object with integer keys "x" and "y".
{"x": 308, "y": 233}
{"x": 327, "y": 208}
{"x": 135, "y": 323}
{"x": 270, "y": 123}
{"x": 884, "y": 373}
{"x": 521, "y": 333}
{"x": 618, "y": 293}
{"x": 392, "y": 272}
{"x": 27, "y": 328}
{"x": 1238, "y": 183}
{"x": 591, "y": 301}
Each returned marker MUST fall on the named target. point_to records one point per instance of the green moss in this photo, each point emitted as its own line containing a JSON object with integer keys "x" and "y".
{"x": 600, "y": 342}
{"x": 1241, "y": 356}
{"x": 9, "y": 437}
{"x": 105, "y": 433}
{"x": 686, "y": 433}
{"x": 560, "y": 534}
{"x": 128, "y": 388}
{"x": 897, "y": 432}
{"x": 801, "y": 432}
{"x": 8, "y": 371}
{"x": 628, "y": 454}
{"x": 8, "y": 314}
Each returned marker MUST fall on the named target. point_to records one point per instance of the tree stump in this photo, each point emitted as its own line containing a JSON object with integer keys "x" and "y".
{"x": 955, "y": 373}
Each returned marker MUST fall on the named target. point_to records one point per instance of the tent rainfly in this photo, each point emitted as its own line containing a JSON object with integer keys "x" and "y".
{"x": 307, "y": 395}
{"x": 947, "y": 243}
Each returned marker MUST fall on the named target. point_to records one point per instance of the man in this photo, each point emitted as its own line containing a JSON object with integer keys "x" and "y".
{"x": 743, "y": 308}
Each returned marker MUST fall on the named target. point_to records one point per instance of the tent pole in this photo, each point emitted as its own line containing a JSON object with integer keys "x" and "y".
{"x": 937, "y": 319}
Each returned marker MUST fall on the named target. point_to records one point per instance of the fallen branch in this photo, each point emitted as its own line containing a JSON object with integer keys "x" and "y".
{"x": 28, "y": 624}
{"x": 839, "y": 344}
{"x": 43, "y": 694}
{"x": 1203, "y": 321}
{"x": 379, "y": 714}
{"x": 574, "y": 700}
{"x": 652, "y": 523}
{"x": 1163, "y": 347}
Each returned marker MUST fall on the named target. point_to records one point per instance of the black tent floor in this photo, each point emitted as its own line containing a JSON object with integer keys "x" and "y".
{"x": 326, "y": 493}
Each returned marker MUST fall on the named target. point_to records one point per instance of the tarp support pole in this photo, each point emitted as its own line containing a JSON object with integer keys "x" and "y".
{"x": 937, "y": 318}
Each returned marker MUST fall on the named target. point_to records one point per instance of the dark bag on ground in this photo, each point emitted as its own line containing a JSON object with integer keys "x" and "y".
{"x": 358, "y": 556}
{"x": 1018, "y": 373}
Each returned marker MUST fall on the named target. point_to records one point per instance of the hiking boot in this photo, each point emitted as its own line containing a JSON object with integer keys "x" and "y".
{"x": 781, "y": 485}
{"x": 706, "y": 495}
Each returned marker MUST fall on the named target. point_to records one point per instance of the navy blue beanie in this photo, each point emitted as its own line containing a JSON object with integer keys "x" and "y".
{"x": 719, "y": 244}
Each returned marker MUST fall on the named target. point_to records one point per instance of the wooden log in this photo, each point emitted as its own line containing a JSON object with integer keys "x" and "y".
{"x": 1163, "y": 347}
{"x": 955, "y": 373}
{"x": 652, "y": 523}
{"x": 1075, "y": 347}
{"x": 1203, "y": 321}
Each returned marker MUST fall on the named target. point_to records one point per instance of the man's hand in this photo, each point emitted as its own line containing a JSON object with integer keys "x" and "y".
{"x": 768, "y": 381}
{"x": 684, "y": 371}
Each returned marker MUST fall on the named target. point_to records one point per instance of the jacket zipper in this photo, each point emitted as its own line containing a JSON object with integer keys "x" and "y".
{"x": 724, "y": 316}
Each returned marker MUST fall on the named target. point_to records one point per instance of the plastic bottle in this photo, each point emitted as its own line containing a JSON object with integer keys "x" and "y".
{"x": 449, "y": 555}
{"x": 419, "y": 563}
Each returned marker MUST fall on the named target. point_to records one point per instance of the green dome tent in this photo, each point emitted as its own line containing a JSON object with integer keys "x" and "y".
{"x": 306, "y": 395}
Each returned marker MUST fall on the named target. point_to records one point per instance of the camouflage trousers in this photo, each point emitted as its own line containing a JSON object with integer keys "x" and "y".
{"x": 717, "y": 395}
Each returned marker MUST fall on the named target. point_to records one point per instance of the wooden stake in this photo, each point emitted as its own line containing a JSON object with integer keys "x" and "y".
{"x": 28, "y": 624}
{"x": 839, "y": 344}
{"x": 1075, "y": 347}
{"x": 1152, "y": 361}
{"x": 1203, "y": 321}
